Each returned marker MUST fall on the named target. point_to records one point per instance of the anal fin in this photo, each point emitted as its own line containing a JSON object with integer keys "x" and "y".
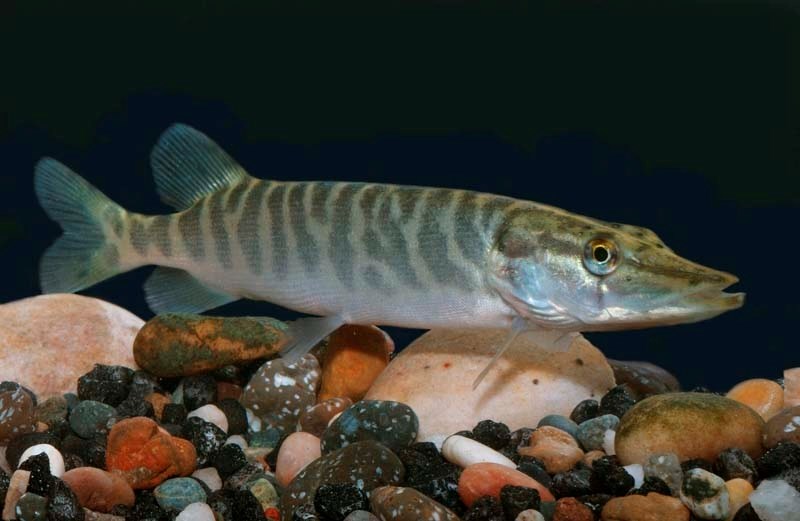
{"x": 305, "y": 333}
{"x": 174, "y": 290}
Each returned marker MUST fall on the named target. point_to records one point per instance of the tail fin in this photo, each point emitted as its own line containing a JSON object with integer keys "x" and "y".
{"x": 85, "y": 254}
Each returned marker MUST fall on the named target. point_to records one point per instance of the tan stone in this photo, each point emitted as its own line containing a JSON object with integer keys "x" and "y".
{"x": 653, "y": 507}
{"x": 791, "y": 384}
{"x": 558, "y": 450}
{"x": 739, "y": 491}
{"x": 762, "y": 395}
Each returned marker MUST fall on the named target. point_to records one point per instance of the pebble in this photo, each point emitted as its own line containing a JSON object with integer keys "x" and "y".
{"x": 228, "y": 391}
{"x": 637, "y": 473}
{"x": 487, "y": 479}
{"x": 336, "y": 500}
{"x": 690, "y": 425}
{"x": 406, "y": 504}
{"x": 210, "y": 477}
{"x": 428, "y": 472}
{"x": 574, "y": 483}
{"x": 296, "y": 452}
{"x": 762, "y": 395}
{"x": 464, "y": 452}
{"x": 644, "y": 378}
{"x": 181, "y": 344}
{"x": 63, "y": 504}
{"x": 31, "y": 507}
{"x": 235, "y": 415}
{"x": 557, "y": 449}
{"x": 735, "y": 463}
{"x": 278, "y": 393}
{"x": 55, "y": 457}
{"x": 791, "y": 387}
{"x": 354, "y": 357}
{"x": 109, "y": 384}
{"x": 392, "y": 424}
{"x": 264, "y": 491}
{"x": 617, "y": 401}
{"x": 529, "y": 515}
{"x": 366, "y": 463}
{"x": 560, "y": 422}
{"x": 590, "y": 457}
{"x": 196, "y": 512}
{"x": 495, "y": 435}
{"x": 18, "y": 408}
{"x": 361, "y": 515}
{"x": 784, "y": 426}
{"x": 90, "y": 417}
{"x": 585, "y": 410}
{"x": 237, "y": 439}
{"x": 206, "y": 437}
{"x": 196, "y": 391}
{"x": 739, "y": 491}
{"x": 229, "y": 459}
{"x": 317, "y": 418}
{"x": 610, "y": 442}
{"x": 98, "y": 489}
{"x": 17, "y": 486}
{"x": 212, "y": 414}
{"x": 705, "y": 494}
{"x": 666, "y": 467}
{"x": 591, "y": 433}
{"x": 178, "y": 493}
{"x": 652, "y": 507}
{"x": 52, "y": 411}
{"x": 776, "y": 500}
{"x": 570, "y": 509}
{"x": 485, "y": 509}
{"x": 434, "y": 377}
{"x": 609, "y": 478}
{"x": 515, "y": 500}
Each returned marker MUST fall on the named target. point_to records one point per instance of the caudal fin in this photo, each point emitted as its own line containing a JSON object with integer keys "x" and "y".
{"x": 85, "y": 254}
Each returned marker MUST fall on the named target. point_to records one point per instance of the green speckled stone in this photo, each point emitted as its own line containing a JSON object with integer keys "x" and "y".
{"x": 89, "y": 418}
{"x": 178, "y": 493}
{"x": 406, "y": 504}
{"x": 393, "y": 424}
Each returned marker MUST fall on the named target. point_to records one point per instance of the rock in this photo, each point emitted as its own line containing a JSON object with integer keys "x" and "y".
{"x": 486, "y": 508}
{"x": 392, "y": 424}
{"x": 666, "y": 467}
{"x": 690, "y": 425}
{"x": 158, "y": 401}
{"x": 17, "y": 405}
{"x": 776, "y": 500}
{"x": 229, "y": 459}
{"x": 235, "y": 416}
{"x": 336, "y": 500}
{"x": 585, "y": 410}
{"x": 791, "y": 387}
{"x": 570, "y": 509}
{"x": 525, "y": 385}
{"x": 406, "y": 504}
{"x": 591, "y": 433}
{"x": 99, "y": 490}
{"x": 487, "y": 479}
{"x": 206, "y": 438}
{"x": 196, "y": 391}
{"x": 560, "y": 422}
{"x": 705, "y": 494}
{"x": 53, "y": 455}
{"x": 516, "y": 500}
{"x": 608, "y": 477}
{"x": 557, "y": 449}
{"x": 636, "y": 471}
{"x": 77, "y": 331}
{"x": 464, "y": 452}
{"x": 529, "y": 515}
{"x": 366, "y": 463}
{"x": 780, "y": 458}
{"x": 644, "y": 378}
{"x": 495, "y": 435}
{"x": 617, "y": 401}
{"x": 573, "y": 483}
{"x": 762, "y": 395}
{"x": 428, "y": 472}
{"x": 90, "y": 417}
{"x": 264, "y": 491}
{"x": 178, "y": 493}
{"x": 784, "y": 426}
{"x": 278, "y": 393}
{"x": 296, "y": 452}
{"x": 739, "y": 491}
{"x": 210, "y": 477}
{"x": 196, "y": 512}
{"x": 212, "y": 414}
{"x": 181, "y": 344}
{"x": 652, "y": 507}
{"x": 316, "y": 419}
{"x": 735, "y": 463}
{"x": 361, "y": 515}
{"x": 109, "y": 384}
{"x": 63, "y": 504}
{"x": 353, "y": 359}
{"x": 16, "y": 488}
{"x": 31, "y": 507}
{"x": 52, "y": 411}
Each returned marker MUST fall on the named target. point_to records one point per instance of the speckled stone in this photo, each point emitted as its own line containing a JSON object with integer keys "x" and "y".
{"x": 53, "y": 455}
{"x": 368, "y": 464}
{"x": 18, "y": 411}
{"x": 178, "y": 493}
{"x": 591, "y": 433}
{"x": 784, "y": 426}
{"x": 406, "y": 504}
{"x": 90, "y": 417}
{"x": 278, "y": 393}
{"x": 705, "y": 494}
{"x": 316, "y": 419}
{"x": 392, "y": 424}
{"x": 666, "y": 467}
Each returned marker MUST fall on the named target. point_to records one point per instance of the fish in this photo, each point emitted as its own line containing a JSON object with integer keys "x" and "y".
{"x": 369, "y": 253}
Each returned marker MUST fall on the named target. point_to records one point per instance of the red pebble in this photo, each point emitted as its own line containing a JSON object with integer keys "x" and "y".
{"x": 570, "y": 509}
{"x": 486, "y": 479}
{"x": 272, "y": 513}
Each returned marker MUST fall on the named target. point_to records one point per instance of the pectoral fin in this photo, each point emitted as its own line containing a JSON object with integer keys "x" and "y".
{"x": 518, "y": 325}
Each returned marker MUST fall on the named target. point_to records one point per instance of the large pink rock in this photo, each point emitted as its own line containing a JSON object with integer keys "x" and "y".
{"x": 48, "y": 341}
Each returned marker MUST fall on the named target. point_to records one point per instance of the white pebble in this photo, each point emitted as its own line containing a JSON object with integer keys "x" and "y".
{"x": 529, "y": 515}
{"x": 196, "y": 512}
{"x": 609, "y": 438}
{"x": 56, "y": 459}
{"x": 212, "y": 414}
{"x": 210, "y": 477}
{"x": 776, "y": 500}
{"x": 237, "y": 439}
{"x": 465, "y": 452}
{"x": 637, "y": 471}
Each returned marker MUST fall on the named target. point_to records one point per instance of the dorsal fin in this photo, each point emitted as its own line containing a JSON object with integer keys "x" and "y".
{"x": 188, "y": 165}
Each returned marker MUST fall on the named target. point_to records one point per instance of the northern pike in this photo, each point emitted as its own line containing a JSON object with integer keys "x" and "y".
{"x": 366, "y": 253}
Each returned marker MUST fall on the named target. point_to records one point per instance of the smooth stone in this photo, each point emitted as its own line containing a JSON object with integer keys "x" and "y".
{"x": 90, "y": 417}
{"x": 183, "y": 344}
{"x": 353, "y": 359}
{"x": 212, "y": 414}
{"x": 557, "y": 449}
{"x": 791, "y": 387}
{"x": 690, "y": 425}
{"x": 52, "y": 411}
{"x": 31, "y": 507}
{"x": 17, "y": 486}
{"x": 464, "y": 452}
{"x": 368, "y": 464}
{"x": 53, "y": 454}
{"x": 570, "y": 509}
{"x": 98, "y": 489}
{"x": 591, "y": 433}
{"x": 487, "y": 479}
{"x": 361, "y": 515}
{"x": 296, "y": 452}
{"x": 209, "y": 476}
{"x": 762, "y": 395}
{"x": 196, "y": 512}
{"x": 636, "y": 471}
{"x": 178, "y": 493}
{"x": 529, "y": 515}
{"x": 784, "y": 426}
{"x": 237, "y": 439}
{"x": 559, "y": 422}
{"x": 406, "y": 504}
{"x": 776, "y": 500}
{"x": 264, "y": 491}
{"x": 75, "y": 330}
{"x": 739, "y": 491}
{"x": 705, "y": 494}
{"x": 666, "y": 467}
{"x": 652, "y": 507}
{"x": 278, "y": 393}
{"x": 392, "y": 424}
{"x": 526, "y": 384}
{"x": 644, "y": 378}
{"x": 19, "y": 410}
{"x": 317, "y": 418}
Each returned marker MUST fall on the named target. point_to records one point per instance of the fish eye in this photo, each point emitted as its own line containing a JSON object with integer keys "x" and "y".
{"x": 600, "y": 256}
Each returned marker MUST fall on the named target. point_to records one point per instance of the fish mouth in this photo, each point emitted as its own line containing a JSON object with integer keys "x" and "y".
{"x": 713, "y": 300}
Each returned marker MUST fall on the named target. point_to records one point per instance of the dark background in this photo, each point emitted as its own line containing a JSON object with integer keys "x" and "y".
{"x": 683, "y": 119}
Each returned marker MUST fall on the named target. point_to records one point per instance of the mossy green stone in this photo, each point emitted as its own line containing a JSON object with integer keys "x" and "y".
{"x": 691, "y": 425}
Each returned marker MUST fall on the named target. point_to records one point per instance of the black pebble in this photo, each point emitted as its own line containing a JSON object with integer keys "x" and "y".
{"x": 335, "y": 501}
{"x": 272, "y": 457}
{"x": 492, "y": 434}
{"x": 228, "y": 373}
{"x": 146, "y": 508}
{"x": 198, "y": 391}
{"x": 21, "y": 443}
{"x": 5, "y": 480}
{"x": 697, "y": 463}
{"x": 174, "y": 414}
{"x": 91, "y": 451}
{"x": 520, "y": 438}
{"x": 792, "y": 477}
{"x": 595, "y": 502}
{"x": 246, "y": 507}
{"x": 486, "y": 508}
{"x": 573, "y": 483}
{"x": 780, "y": 458}
{"x": 305, "y": 513}
{"x": 652, "y": 484}
{"x": 63, "y": 504}
{"x": 429, "y": 473}
{"x": 143, "y": 384}
{"x": 534, "y": 468}
{"x": 236, "y": 415}
{"x": 735, "y": 463}
{"x": 131, "y": 407}
{"x": 221, "y": 502}
{"x": 109, "y": 384}
{"x": 206, "y": 437}
{"x": 228, "y": 459}
{"x": 466, "y": 434}
{"x": 72, "y": 461}
{"x": 516, "y": 499}
{"x": 40, "y": 481}
{"x": 746, "y": 513}
{"x": 617, "y": 401}
{"x": 585, "y": 410}
{"x": 608, "y": 477}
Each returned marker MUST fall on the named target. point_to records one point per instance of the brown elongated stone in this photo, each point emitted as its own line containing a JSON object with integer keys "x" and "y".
{"x": 182, "y": 344}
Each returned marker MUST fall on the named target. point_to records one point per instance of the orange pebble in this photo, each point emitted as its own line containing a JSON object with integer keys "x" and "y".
{"x": 354, "y": 358}
{"x": 762, "y": 395}
{"x": 570, "y": 509}
{"x": 739, "y": 491}
{"x": 486, "y": 479}
{"x": 158, "y": 401}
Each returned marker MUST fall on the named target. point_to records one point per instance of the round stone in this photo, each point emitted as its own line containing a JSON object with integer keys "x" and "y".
{"x": 463, "y": 451}
{"x": 31, "y": 507}
{"x": 63, "y": 504}
{"x": 666, "y": 467}
{"x": 784, "y": 426}
{"x": 406, "y": 504}
{"x": 317, "y": 418}
{"x": 53, "y": 454}
{"x": 555, "y": 448}
{"x": 196, "y": 512}
{"x": 106, "y": 383}
{"x": 354, "y": 356}
{"x": 644, "y": 378}
{"x": 90, "y": 417}
{"x": 705, "y": 494}
{"x": 488, "y": 479}
{"x": 653, "y": 506}
{"x": 209, "y": 476}
{"x": 392, "y": 424}
{"x": 99, "y": 490}
{"x": 776, "y": 500}
{"x": 361, "y": 515}
{"x": 560, "y": 422}
{"x": 591, "y": 433}
{"x": 17, "y": 410}
{"x": 212, "y": 414}
{"x": 178, "y": 493}
{"x": 762, "y": 395}
{"x": 298, "y": 450}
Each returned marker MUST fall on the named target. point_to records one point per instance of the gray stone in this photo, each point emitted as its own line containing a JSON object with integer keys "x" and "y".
{"x": 591, "y": 433}
{"x": 392, "y": 424}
